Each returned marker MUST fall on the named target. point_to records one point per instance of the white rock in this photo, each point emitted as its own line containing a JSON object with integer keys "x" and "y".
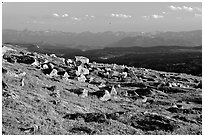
{"x": 5, "y": 49}
{"x": 82, "y": 70}
{"x": 124, "y": 74}
{"x": 85, "y": 93}
{"x": 106, "y": 97}
{"x": 53, "y": 73}
{"x": 113, "y": 91}
{"x": 51, "y": 65}
{"x": 82, "y": 78}
{"x": 66, "y": 75}
{"x": 69, "y": 61}
{"x": 36, "y": 63}
{"x": 45, "y": 66}
{"x": 82, "y": 59}
{"x": 53, "y": 55}
{"x": 22, "y": 74}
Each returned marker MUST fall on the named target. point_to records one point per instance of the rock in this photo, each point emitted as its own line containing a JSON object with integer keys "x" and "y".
{"x": 78, "y": 91}
{"x": 36, "y": 63}
{"x": 51, "y": 65}
{"x": 25, "y": 59}
{"x": 66, "y": 75}
{"x": 115, "y": 74}
{"x": 4, "y": 85}
{"x": 82, "y": 59}
{"x": 53, "y": 73}
{"x": 113, "y": 91}
{"x": 4, "y": 71}
{"x": 84, "y": 93}
{"x": 144, "y": 99}
{"x": 5, "y": 49}
{"x": 9, "y": 58}
{"x": 82, "y": 70}
{"x": 199, "y": 85}
{"x": 106, "y": 96}
{"x": 22, "y": 74}
{"x": 11, "y": 74}
{"x": 52, "y": 88}
{"x": 124, "y": 74}
{"x": 143, "y": 92}
{"x": 22, "y": 82}
{"x": 53, "y": 55}
{"x": 102, "y": 85}
{"x": 82, "y": 78}
{"x": 45, "y": 66}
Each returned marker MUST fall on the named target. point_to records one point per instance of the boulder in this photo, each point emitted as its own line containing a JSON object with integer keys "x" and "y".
{"x": 4, "y": 71}
{"x": 9, "y": 58}
{"x": 5, "y": 49}
{"x": 106, "y": 96}
{"x": 22, "y": 82}
{"x": 113, "y": 91}
{"x": 82, "y": 59}
{"x": 82, "y": 78}
{"x": 84, "y": 93}
{"x": 82, "y": 70}
{"x": 36, "y": 63}
{"x": 53, "y": 73}
{"x": 143, "y": 92}
{"x": 25, "y": 59}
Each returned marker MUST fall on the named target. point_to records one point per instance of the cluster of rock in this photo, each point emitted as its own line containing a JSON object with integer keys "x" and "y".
{"x": 107, "y": 77}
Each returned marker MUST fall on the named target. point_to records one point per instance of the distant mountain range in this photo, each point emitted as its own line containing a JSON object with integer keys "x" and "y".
{"x": 88, "y": 40}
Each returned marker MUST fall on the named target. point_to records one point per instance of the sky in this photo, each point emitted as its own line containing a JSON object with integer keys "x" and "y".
{"x": 102, "y": 16}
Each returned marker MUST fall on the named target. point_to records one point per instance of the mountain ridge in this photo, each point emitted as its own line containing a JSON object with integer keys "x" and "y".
{"x": 89, "y": 40}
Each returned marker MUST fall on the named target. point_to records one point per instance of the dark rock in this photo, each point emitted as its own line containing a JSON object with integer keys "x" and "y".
{"x": 4, "y": 71}
{"x": 99, "y": 93}
{"x": 4, "y": 85}
{"x": 77, "y": 91}
{"x": 9, "y": 58}
{"x": 25, "y": 59}
{"x": 83, "y": 129}
{"x": 184, "y": 119}
{"x": 144, "y": 92}
{"x": 153, "y": 122}
{"x": 95, "y": 117}
{"x": 174, "y": 110}
{"x": 52, "y": 88}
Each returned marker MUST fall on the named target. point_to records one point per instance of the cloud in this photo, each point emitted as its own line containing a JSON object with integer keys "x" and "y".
{"x": 35, "y": 22}
{"x": 120, "y": 15}
{"x": 175, "y": 8}
{"x": 61, "y": 16}
{"x": 157, "y": 16}
{"x": 55, "y": 14}
{"x": 64, "y": 15}
{"x": 89, "y": 16}
{"x": 197, "y": 9}
{"x": 145, "y": 17}
{"x": 75, "y": 18}
{"x": 185, "y": 8}
{"x": 198, "y": 15}
{"x": 154, "y": 16}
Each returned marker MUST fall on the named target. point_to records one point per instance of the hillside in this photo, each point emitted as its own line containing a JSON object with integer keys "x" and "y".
{"x": 50, "y": 95}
